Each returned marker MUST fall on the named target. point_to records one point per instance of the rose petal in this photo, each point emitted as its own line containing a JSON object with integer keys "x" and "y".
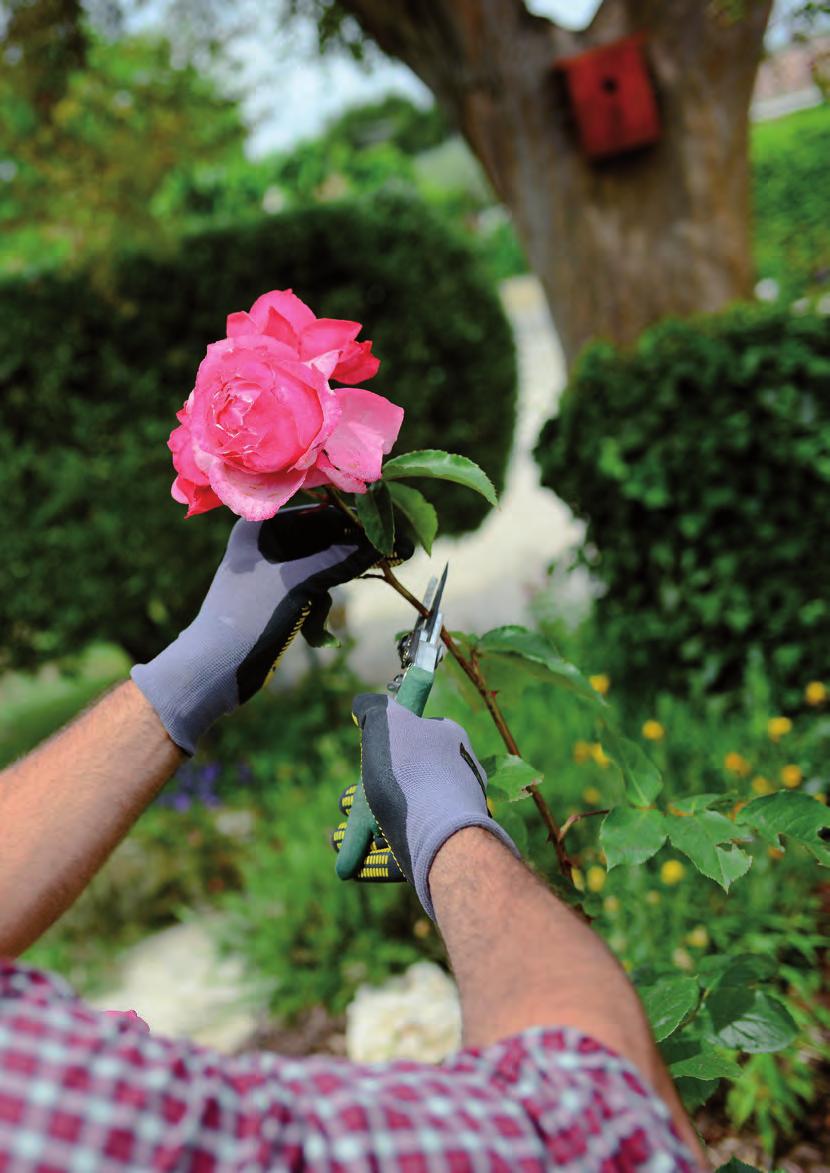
{"x": 368, "y": 427}
{"x": 325, "y": 363}
{"x": 357, "y": 363}
{"x": 254, "y": 496}
{"x": 276, "y": 326}
{"x": 131, "y": 1016}
{"x": 324, "y": 473}
{"x": 287, "y": 305}
{"x": 239, "y": 324}
{"x": 327, "y": 334}
{"x": 180, "y": 443}
{"x": 198, "y": 498}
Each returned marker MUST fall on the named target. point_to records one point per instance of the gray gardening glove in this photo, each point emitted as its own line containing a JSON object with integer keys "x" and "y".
{"x": 423, "y": 783}
{"x": 273, "y": 580}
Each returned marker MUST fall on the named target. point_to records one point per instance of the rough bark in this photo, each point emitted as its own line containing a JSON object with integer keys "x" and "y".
{"x": 621, "y": 243}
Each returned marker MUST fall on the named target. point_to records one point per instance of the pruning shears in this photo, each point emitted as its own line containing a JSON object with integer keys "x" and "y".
{"x": 363, "y": 853}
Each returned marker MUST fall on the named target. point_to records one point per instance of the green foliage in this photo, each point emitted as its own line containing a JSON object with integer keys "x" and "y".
{"x": 700, "y": 461}
{"x": 93, "y": 153}
{"x": 393, "y": 119}
{"x": 308, "y": 937}
{"x": 720, "y": 965}
{"x": 85, "y": 472}
{"x": 792, "y": 201}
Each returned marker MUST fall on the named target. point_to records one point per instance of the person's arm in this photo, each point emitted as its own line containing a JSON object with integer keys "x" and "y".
{"x": 65, "y": 806}
{"x": 69, "y": 803}
{"x": 521, "y": 957}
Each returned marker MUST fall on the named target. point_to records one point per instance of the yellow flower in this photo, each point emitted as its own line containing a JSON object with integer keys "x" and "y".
{"x": 581, "y": 751}
{"x": 762, "y": 785}
{"x": 592, "y": 795}
{"x": 600, "y": 756}
{"x": 611, "y": 904}
{"x": 653, "y": 731}
{"x": 600, "y": 683}
{"x": 578, "y": 879}
{"x": 735, "y": 763}
{"x": 422, "y": 927}
{"x": 698, "y": 937}
{"x": 778, "y": 727}
{"x": 815, "y": 693}
{"x": 595, "y": 879}
{"x": 682, "y": 959}
{"x": 791, "y": 776}
{"x": 672, "y": 872}
{"x": 653, "y": 896}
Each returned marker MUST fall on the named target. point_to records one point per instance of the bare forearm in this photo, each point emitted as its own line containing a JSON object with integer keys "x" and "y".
{"x": 65, "y": 806}
{"x": 523, "y": 959}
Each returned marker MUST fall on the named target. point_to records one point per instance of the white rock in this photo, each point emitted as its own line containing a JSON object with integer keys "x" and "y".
{"x": 415, "y": 1016}
{"x": 177, "y": 982}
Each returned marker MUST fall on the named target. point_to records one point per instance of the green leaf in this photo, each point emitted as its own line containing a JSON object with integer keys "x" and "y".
{"x": 669, "y": 1002}
{"x": 698, "y": 837}
{"x": 706, "y": 1065}
{"x": 642, "y": 779}
{"x": 798, "y": 816}
{"x": 375, "y": 513}
{"x": 419, "y": 512}
{"x": 743, "y": 970}
{"x": 510, "y": 817}
{"x": 629, "y": 835}
{"x": 535, "y": 650}
{"x": 695, "y": 1092}
{"x": 733, "y": 1165}
{"x": 442, "y": 466}
{"x": 747, "y": 1019}
{"x": 696, "y": 802}
{"x": 511, "y": 775}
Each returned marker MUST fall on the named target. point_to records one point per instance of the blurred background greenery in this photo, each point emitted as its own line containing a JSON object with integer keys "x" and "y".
{"x": 133, "y": 218}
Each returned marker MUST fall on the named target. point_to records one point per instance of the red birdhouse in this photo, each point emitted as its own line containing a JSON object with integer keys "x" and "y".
{"x": 612, "y": 98}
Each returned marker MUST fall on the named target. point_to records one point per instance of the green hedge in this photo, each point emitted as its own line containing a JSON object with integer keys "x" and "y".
{"x": 701, "y": 463}
{"x": 95, "y": 548}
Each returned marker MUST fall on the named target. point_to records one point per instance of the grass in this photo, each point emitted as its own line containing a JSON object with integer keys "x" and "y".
{"x": 791, "y": 198}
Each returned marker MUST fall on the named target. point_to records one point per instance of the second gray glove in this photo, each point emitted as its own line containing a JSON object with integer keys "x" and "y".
{"x": 423, "y": 783}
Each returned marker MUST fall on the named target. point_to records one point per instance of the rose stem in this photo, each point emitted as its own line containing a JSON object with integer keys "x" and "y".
{"x": 473, "y": 671}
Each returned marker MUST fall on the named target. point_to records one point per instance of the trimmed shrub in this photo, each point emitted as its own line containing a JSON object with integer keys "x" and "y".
{"x": 90, "y": 382}
{"x": 700, "y": 461}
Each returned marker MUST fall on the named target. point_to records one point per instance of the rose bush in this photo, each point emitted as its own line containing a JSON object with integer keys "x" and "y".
{"x": 263, "y": 420}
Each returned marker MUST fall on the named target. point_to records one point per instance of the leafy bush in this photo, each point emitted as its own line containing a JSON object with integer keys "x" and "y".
{"x": 700, "y": 461}
{"x": 90, "y": 380}
{"x": 792, "y": 200}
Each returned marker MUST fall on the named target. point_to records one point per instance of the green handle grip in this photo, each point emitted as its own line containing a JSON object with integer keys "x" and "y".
{"x": 415, "y": 689}
{"x": 361, "y": 826}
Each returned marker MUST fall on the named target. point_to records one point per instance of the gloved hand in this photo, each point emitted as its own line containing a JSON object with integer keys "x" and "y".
{"x": 422, "y": 782}
{"x": 273, "y": 580}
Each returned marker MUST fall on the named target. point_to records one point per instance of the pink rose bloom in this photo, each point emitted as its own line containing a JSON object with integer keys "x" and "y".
{"x": 263, "y": 421}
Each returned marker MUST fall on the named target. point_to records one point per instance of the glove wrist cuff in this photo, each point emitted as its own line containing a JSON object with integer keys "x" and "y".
{"x": 188, "y": 692}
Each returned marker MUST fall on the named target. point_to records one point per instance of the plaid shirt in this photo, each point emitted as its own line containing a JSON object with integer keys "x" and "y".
{"x": 82, "y": 1092}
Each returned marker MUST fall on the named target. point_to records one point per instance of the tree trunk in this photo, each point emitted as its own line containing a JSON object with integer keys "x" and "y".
{"x": 620, "y": 243}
